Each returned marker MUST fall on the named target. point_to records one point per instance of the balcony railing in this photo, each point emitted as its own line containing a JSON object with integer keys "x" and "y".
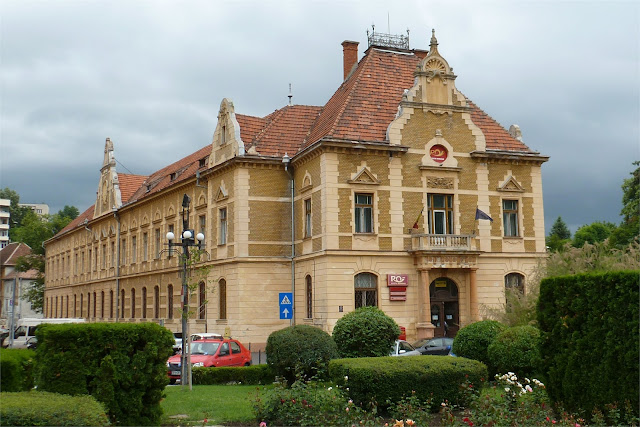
{"x": 442, "y": 242}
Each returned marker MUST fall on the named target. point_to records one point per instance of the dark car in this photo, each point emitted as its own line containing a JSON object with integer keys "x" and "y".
{"x": 211, "y": 353}
{"x": 434, "y": 346}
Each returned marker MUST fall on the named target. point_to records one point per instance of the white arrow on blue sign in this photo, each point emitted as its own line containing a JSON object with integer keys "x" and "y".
{"x": 286, "y": 305}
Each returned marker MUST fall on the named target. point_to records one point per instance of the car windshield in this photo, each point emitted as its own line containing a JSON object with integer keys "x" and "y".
{"x": 207, "y": 348}
{"x": 420, "y": 343}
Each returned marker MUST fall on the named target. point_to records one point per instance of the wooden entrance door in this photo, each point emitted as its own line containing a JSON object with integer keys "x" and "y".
{"x": 445, "y": 313}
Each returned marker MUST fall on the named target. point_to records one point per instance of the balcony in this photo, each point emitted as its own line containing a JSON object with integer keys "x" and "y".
{"x": 442, "y": 242}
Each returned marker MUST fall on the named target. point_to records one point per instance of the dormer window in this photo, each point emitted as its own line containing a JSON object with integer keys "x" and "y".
{"x": 148, "y": 187}
{"x": 223, "y": 135}
{"x": 172, "y": 176}
{"x": 203, "y": 162}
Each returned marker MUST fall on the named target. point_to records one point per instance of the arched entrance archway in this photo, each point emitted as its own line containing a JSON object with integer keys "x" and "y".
{"x": 445, "y": 312}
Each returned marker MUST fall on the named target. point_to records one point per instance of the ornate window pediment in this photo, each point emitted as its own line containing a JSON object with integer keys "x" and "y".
{"x": 157, "y": 217}
{"x": 511, "y": 185}
{"x": 306, "y": 182}
{"x": 222, "y": 193}
{"x": 365, "y": 176}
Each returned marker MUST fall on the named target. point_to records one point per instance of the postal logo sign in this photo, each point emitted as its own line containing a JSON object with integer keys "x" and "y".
{"x": 397, "y": 279}
{"x": 438, "y": 153}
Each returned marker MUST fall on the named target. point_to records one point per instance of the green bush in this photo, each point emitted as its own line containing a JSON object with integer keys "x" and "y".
{"x": 256, "y": 374}
{"x": 365, "y": 332}
{"x": 473, "y": 340}
{"x": 390, "y": 379}
{"x": 300, "y": 350}
{"x": 16, "y": 369}
{"x": 516, "y": 350}
{"x": 38, "y": 408}
{"x": 122, "y": 365}
{"x": 590, "y": 340}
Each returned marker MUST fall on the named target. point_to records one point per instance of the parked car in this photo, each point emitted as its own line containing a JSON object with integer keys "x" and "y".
{"x": 403, "y": 348}
{"x": 434, "y": 346}
{"x": 32, "y": 343}
{"x": 177, "y": 347}
{"x": 211, "y": 353}
{"x": 205, "y": 335}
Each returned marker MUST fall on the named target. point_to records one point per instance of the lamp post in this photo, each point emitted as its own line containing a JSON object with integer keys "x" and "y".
{"x": 186, "y": 241}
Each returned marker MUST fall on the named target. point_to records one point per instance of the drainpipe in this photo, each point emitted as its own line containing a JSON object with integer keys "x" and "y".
{"x": 117, "y": 217}
{"x": 286, "y": 160}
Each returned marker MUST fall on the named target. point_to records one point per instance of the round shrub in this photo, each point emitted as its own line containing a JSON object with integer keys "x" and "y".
{"x": 300, "y": 350}
{"x": 516, "y": 350}
{"x": 365, "y": 332}
{"x": 473, "y": 340}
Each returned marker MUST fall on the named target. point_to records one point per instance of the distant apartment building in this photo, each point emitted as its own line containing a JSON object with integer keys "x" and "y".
{"x": 39, "y": 208}
{"x": 14, "y": 284}
{"x": 4, "y": 222}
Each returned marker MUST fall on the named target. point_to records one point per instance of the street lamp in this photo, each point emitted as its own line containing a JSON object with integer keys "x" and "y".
{"x": 187, "y": 240}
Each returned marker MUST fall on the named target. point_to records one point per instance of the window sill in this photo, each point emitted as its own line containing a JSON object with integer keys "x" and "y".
{"x": 512, "y": 238}
{"x": 365, "y": 234}
{"x": 222, "y": 321}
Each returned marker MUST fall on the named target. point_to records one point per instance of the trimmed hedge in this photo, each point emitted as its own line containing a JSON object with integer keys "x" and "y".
{"x": 300, "y": 350}
{"x": 385, "y": 379}
{"x": 590, "y": 339}
{"x": 365, "y": 332}
{"x": 255, "y": 374}
{"x": 516, "y": 350}
{"x": 16, "y": 369}
{"x": 473, "y": 340}
{"x": 39, "y": 408}
{"x": 122, "y": 365}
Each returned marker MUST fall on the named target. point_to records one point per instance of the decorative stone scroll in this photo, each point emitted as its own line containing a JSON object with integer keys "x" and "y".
{"x": 437, "y": 182}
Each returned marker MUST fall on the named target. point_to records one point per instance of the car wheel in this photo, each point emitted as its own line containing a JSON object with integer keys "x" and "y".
{"x": 172, "y": 381}
{"x": 247, "y": 364}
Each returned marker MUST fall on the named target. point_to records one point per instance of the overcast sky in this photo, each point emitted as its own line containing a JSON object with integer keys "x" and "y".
{"x": 151, "y": 75}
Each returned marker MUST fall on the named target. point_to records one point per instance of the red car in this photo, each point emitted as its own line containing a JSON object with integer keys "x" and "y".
{"x": 211, "y": 353}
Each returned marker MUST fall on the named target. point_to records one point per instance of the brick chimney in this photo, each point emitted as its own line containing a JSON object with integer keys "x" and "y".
{"x": 350, "y": 56}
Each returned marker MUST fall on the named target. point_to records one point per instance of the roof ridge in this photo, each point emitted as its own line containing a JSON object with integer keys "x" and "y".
{"x": 277, "y": 114}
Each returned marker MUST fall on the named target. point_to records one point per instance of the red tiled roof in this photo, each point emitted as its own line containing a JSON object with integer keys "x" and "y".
{"x": 10, "y": 253}
{"x": 28, "y": 275}
{"x": 284, "y": 130}
{"x": 129, "y": 184}
{"x": 496, "y": 137}
{"x": 250, "y": 126}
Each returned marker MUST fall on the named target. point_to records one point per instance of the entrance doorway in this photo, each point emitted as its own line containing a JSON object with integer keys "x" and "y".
{"x": 445, "y": 313}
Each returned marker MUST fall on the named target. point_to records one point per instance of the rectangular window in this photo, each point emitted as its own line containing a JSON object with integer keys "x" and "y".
{"x": 75, "y": 265}
{"x": 307, "y": 218}
{"x": 95, "y": 263}
{"x": 113, "y": 254}
{"x": 309, "y": 297}
{"x": 510, "y": 217}
{"x": 202, "y": 222}
{"x": 223, "y": 135}
{"x": 170, "y": 248}
{"x": 82, "y": 262}
{"x": 440, "y": 213}
{"x": 134, "y": 248}
{"x": 158, "y": 243}
{"x": 223, "y": 300}
{"x": 90, "y": 260}
{"x": 123, "y": 252}
{"x": 364, "y": 213}
{"x": 223, "y": 226}
{"x": 104, "y": 257}
{"x": 145, "y": 246}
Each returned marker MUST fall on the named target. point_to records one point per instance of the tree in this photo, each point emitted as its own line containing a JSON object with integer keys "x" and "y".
{"x": 595, "y": 232}
{"x": 35, "y": 294}
{"x": 559, "y": 235}
{"x": 70, "y": 212}
{"x": 629, "y": 229}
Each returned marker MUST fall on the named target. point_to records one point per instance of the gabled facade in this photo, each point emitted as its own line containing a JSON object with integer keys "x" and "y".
{"x": 376, "y": 198}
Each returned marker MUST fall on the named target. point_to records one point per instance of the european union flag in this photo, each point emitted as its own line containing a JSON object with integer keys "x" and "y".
{"x": 482, "y": 215}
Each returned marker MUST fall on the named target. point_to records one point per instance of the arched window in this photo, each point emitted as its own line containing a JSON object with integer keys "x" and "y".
{"x": 513, "y": 285}
{"x": 95, "y": 304}
{"x": 67, "y": 305}
{"x": 202, "y": 301}
{"x": 223, "y": 299}
{"x": 111, "y": 304}
{"x": 75, "y": 305}
{"x": 133, "y": 303}
{"x": 309, "y": 292}
{"x": 366, "y": 290}
{"x": 55, "y": 308}
{"x": 102, "y": 304}
{"x": 88, "y": 305}
{"x": 156, "y": 302}
{"x": 170, "y": 302}
{"x": 81, "y": 305}
{"x": 122, "y": 304}
{"x": 144, "y": 302}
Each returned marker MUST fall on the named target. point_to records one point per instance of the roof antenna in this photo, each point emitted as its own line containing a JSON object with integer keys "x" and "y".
{"x": 388, "y": 24}
{"x": 290, "y": 95}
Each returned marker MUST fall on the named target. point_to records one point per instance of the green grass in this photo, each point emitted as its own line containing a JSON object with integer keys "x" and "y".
{"x": 219, "y": 404}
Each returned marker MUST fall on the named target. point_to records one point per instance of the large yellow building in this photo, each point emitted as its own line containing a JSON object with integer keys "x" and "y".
{"x": 388, "y": 189}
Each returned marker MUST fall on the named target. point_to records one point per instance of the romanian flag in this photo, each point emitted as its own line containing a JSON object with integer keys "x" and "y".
{"x": 482, "y": 215}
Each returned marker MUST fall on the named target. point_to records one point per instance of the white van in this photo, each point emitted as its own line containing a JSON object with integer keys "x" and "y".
{"x": 26, "y": 329}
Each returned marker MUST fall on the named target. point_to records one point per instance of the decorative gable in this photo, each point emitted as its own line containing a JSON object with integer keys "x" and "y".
{"x": 109, "y": 197}
{"x": 510, "y": 184}
{"x": 365, "y": 176}
{"x": 227, "y": 142}
{"x": 222, "y": 193}
{"x": 306, "y": 182}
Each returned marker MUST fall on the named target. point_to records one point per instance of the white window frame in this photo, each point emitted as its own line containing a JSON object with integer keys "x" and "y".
{"x": 507, "y": 218}
{"x": 223, "y": 222}
{"x": 307, "y": 218}
{"x": 359, "y": 213}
